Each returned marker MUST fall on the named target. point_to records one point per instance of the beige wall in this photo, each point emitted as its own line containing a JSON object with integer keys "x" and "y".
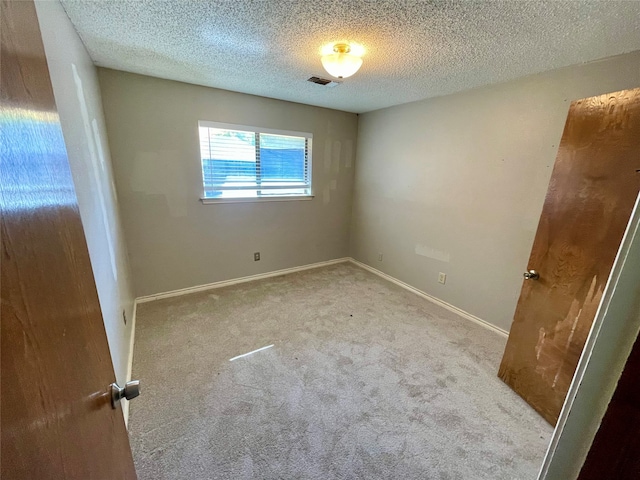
{"x": 77, "y": 94}
{"x": 174, "y": 240}
{"x": 456, "y": 184}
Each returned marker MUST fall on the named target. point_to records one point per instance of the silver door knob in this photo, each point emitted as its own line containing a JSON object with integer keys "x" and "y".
{"x": 130, "y": 391}
{"x": 531, "y": 275}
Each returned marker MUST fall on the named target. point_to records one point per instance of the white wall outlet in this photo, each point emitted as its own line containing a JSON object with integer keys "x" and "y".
{"x": 442, "y": 278}
{"x": 379, "y": 257}
{"x": 256, "y": 256}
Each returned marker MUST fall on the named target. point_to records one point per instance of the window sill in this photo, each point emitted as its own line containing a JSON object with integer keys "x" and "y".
{"x": 288, "y": 198}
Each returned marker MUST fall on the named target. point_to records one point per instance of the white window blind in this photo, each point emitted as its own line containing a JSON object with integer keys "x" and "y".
{"x": 242, "y": 162}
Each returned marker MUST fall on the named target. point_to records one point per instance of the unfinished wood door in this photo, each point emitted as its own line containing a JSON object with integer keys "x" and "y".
{"x": 593, "y": 187}
{"x": 56, "y": 417}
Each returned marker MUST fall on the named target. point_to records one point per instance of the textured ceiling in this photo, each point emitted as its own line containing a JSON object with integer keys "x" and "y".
{"x": 414, "y": 49}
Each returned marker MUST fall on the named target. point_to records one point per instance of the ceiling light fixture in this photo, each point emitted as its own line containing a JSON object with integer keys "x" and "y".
{"x": 342, "y": 63}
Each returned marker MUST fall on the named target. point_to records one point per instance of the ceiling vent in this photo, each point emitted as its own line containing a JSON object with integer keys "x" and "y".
{"x": 323, "y": 81}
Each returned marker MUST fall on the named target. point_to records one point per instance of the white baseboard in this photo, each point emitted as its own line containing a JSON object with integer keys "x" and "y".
{"x": 125, "y": 403}
{"x": 431, "y": 298}
{"x": 226, "y": 283}
{"x": 235, "y": 281}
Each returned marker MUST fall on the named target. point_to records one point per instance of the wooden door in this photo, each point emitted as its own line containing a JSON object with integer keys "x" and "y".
{"x": 615, "y": 452}
{"x": 56, "y": 418}
{"x": 593, "y": 187}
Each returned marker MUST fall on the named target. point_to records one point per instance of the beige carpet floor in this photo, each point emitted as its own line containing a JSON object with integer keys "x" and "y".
{"x": 364, "y": 381}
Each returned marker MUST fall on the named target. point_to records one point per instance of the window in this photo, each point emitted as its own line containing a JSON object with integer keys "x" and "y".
{"x": 244, "y": 162}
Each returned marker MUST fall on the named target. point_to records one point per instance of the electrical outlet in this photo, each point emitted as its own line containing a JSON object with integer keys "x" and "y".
{"x": 256, "y": 256}
{"x": 442, "y": 278}
{"x": 124, "y": 317}
{"x": 379, "y": 257}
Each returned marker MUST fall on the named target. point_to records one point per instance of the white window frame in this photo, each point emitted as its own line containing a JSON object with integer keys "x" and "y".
{"x": 245, "y": 128}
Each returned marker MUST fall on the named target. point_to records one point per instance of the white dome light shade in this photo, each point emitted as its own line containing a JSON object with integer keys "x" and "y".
{"x": 341, "y": 64}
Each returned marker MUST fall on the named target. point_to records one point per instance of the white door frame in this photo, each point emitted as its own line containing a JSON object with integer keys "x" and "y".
{"x": 605, "y": 353}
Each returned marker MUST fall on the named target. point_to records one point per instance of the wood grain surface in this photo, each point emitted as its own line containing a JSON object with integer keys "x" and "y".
{"x": 592, "y": 191}
{"x": 56, "y": 419}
